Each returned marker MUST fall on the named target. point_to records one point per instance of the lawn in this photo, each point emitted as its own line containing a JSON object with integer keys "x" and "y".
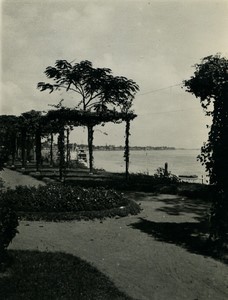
{"x": 42, "y": 275}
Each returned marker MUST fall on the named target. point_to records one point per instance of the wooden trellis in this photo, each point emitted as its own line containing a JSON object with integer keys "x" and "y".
{"x": 55, "y": 121}
{"x": 73, "y": 117}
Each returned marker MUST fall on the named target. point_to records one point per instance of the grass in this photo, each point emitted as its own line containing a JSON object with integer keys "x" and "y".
{"x": 42, "y": 275}
{"x": 157, "y": 183}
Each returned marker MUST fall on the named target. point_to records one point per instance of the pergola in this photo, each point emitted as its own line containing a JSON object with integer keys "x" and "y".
{"x": 72, "y": 117}
{"x": 56, "y": 121}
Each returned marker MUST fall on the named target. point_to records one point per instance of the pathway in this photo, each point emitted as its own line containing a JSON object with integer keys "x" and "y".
{"x": 13, "y": 178}
{"x": 145, "y": 255}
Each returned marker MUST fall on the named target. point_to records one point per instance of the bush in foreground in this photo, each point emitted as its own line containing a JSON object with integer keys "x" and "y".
{"x": 56, "y": 202}
{"x": 8, "y": 229}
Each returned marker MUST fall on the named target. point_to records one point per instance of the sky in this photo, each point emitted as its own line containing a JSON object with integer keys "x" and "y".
{"x": 155, "y": 43}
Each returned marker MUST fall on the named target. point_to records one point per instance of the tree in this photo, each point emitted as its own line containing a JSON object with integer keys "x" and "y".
{"x": 8, "y": 141}
{"x": 99, "y": 90}
{"x": 210, "y": 84}
{"x": 31, "y": 134}
{"x": 34, "y": 126}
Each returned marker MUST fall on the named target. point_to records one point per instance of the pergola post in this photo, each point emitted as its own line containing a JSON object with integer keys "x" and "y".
{"x": 23, "y": 148}
{"x": 90, "y": 145}
{"x": 38, "y": 149}
{"x": 51, "y": 150}
{"x": 126, "y": 150}
{"x": 68, "y": 148}
{"x": 61, "y": 148}
{"x": 72, "y": 117}
{"x": 14, "y": 146}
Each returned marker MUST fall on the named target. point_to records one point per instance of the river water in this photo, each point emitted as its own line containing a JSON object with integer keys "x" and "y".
{"x": 180, "y": 162}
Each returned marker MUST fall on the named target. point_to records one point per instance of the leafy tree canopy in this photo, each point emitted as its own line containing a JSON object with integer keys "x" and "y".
{"x": 98, "y": 88}
{"x": 210, "y": 84}
{"x": 210, "y": 80}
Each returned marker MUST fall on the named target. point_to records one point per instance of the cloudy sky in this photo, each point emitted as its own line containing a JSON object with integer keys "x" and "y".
{"x": 155, "y": 43}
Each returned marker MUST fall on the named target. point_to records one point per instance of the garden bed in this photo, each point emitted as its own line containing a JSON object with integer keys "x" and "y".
{"x": 55, "y": 202}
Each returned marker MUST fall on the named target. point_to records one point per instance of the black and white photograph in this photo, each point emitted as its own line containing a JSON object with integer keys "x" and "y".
{"x": 114, "y": 149}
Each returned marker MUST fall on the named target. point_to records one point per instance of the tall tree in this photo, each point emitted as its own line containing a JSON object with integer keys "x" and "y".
{"x": 210, "y": 84}
{"x": 99, "y": 90}
{"x": 8, "y": 133}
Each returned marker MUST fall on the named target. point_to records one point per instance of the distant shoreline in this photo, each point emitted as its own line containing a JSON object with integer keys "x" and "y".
{"x": 74, "y": 146}
{"x": 121, "y": 148}
{"x": 136, "y": 148}
{"x": 103, "y": 148}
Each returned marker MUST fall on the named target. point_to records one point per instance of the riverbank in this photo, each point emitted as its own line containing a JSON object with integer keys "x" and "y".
{"x": 82, "y": 177}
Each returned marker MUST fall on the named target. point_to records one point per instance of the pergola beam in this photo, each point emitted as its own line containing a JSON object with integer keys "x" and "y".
{"x": 89, "y": 119}
{"x": 60, "y": 118}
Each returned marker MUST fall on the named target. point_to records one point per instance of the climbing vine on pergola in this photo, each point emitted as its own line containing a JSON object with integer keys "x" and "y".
{"x": 72, "y": 117}
{"x": 16, "y": 130}
{"x": 99, "y": 96}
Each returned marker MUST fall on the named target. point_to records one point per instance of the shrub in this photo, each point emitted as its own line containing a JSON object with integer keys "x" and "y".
{"x": 8, "y": 228}
{"x": 58, "y": 198}
{"x": 3, "y": 156}
{"x": 164, "y": 177}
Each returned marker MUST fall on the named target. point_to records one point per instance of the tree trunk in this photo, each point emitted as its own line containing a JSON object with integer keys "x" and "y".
{"x": 61, "y": 149}
{"x": 51, "y": 151}
{"x": 68, "y": 148}
{"x": 28, "y": 147}
{"x": 126, "y": 150}
{"x": 23, "y": 148}
{"x": 90, "y": 145}
{"x": 14, "y": 146}
{"x": 38, "y": 149}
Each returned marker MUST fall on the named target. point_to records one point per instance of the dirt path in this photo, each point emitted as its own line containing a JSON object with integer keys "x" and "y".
{"x": 12, "y": 178}
{"x": 126, "y": 250}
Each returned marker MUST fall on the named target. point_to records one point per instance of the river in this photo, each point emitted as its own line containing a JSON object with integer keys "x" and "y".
{"x": 180, "y": 162}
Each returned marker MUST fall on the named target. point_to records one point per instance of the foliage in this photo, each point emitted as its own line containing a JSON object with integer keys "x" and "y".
{"x": 99, "y": 90}
{"x": 135, "y": 182}
{"x": 75, "y": 117}
{"x": 8, "y": 227}
{"x": 4, "y": 154}
{"x": 126, "y": 148}
{"x": 61, "y": 152}
{"x": 24, "y": 132}
{"x": 210, "y": 85}
{"x": 97, "y": 87}
{"x": 78, "y": 201}
{"x": 8, "y": 131}
{"x": 42, "y": 275}
{"x": 161, "y": 173}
